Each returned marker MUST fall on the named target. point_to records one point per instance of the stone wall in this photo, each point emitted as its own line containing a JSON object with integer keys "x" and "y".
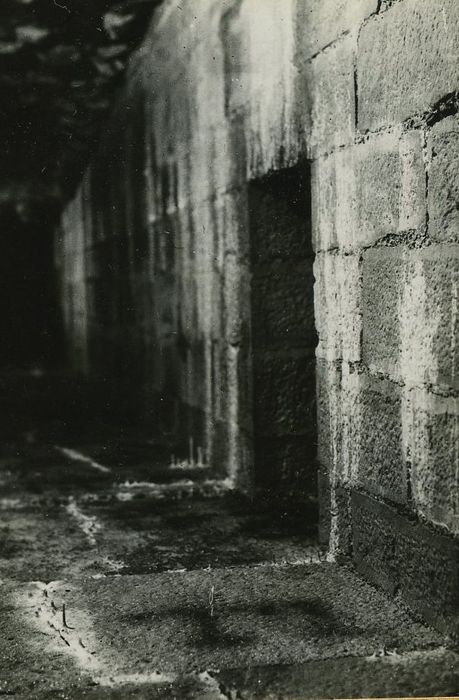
{"x": 385, "y": 196}
{"x": 283, "y": 335}
{"x": 220, "y": 94}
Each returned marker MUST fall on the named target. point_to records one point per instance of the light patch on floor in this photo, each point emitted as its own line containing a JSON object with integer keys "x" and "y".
{"x": 80, "y": 457}
{"x": 75, "y": 637}
{"x": 154, "y": 678}
{"x": 11, "y": 504}
{"x": 113, "y": 565}
{"x": 71, "y": 633}
{"x": 407, "y": 657}
{"x": 89, "y": 524}
{"x": 312, "y": 555}
{"x": 211, "y": 685}
{"x": 184, "y": 487}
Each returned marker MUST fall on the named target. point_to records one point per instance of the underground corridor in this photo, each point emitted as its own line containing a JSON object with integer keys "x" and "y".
{"x": 228, "y": 387}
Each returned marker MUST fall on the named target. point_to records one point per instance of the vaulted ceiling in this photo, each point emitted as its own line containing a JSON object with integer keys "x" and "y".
{"x": 61, "y": 62}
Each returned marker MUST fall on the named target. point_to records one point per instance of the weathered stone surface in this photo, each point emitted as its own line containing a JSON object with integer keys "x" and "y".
{"x": 430, "y": 435}
{"x": 443, "y": 200}
{"x": 409, "y": 314}
{"x": 381, "y": 468}
{"x": 283, "y": 333}
{"x": 320, "y": 23}
{"x": 329, "y": 82}
{"x": 338, "y": 415}
{"x": 374, "y": 542}
{"x": 440, "y": 268}
{"x": 368, "y": 191}
{"x": 324, "y": 496}
{"x": 384, "y": 300}
{"x": 357, "y": 677}
{"x": 275, "y": 95}
{"x": 406, "y": 61}
{"x": 382, "y": 271}
{"x": 412, "y": 209}
{"x": 328, "y": 391}
{"x": 248, "y": 602}
{"x": 399, "y": 554}
{"x": 337, "y": 306}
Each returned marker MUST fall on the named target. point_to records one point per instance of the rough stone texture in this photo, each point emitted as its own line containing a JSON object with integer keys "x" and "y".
{"x": 402, "y": 555}
{"x": 406, "y": 677}
{"x": 221, "y": 95}
{"x": 406, "y": 61}
{"x": 409, "y": 314}
{"x": 336, "y": 302}
{"x": 332, "y": 102}
{"x": 431, "y": 444}
{"x": 368, "y": 191}
{"x": 273, "y": 90}
{"x": 274, "y": 321}
{"x": 63, "y": 518}
{"x": 360, "y": 441}
{"x": 444, "y": 180}
{"x": 249, "y": 605}
{"x": 327, "y": 20}
{"x": 440, "y": 270}
{"x": 284, "y": 389}
{"x": 338, "y": 414}
{"x": 324, "y": 495}
{"x": 382, "y": 272}
{"x": 167, "y": 575}
{"x": 154, "y": 637}
{"x": 381, "y": 468}
{"x": 283, "y": 332}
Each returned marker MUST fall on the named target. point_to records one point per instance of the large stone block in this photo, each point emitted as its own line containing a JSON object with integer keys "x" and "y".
{"x": 337, "y": 306}
{"x": 374, "y": 543}
{"x": 382, "y": 272}
{"x": 409, "y": 301}
{"x": 381, "y": 467}
{"x": 407, "y": 61}
{"x": 324, "y": 202}
{"x": 428, "y": 317}
{"x": 443, "y": 196}
{"x": 412, "y": 205}
{"x": 338, "y": 419}
{"x": 430, "y": 435}
{"x": 403, "y": 555}
{"x": 330, "y": 87}
{"x": 320, "y": 23}
{"x": 369, "y": 191}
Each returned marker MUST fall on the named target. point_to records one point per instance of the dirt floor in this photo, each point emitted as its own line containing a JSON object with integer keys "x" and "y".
{"x": 128, "y": 575}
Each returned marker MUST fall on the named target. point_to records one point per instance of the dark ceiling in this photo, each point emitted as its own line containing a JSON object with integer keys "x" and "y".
{"x": 61, "y": 62}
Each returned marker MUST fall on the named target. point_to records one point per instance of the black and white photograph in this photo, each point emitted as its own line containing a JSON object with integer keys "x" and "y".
{"x": 229, "y": 349}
